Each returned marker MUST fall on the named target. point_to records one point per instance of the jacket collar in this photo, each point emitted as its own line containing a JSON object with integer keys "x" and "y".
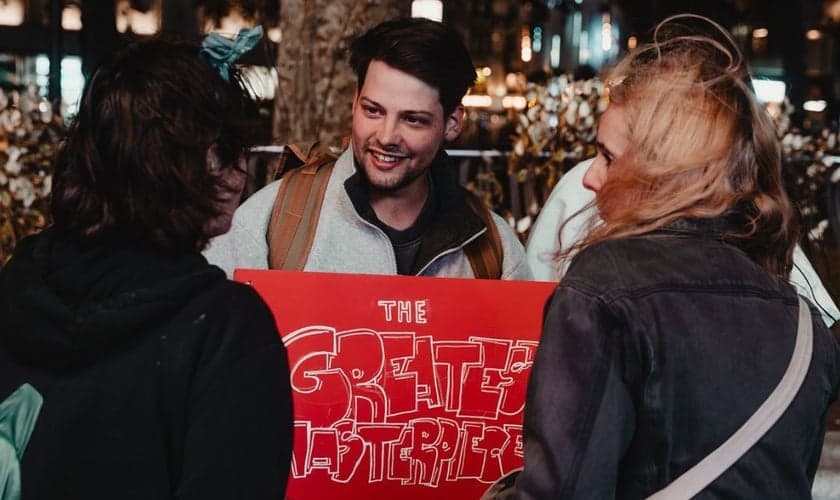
{"x": 715, "y": 227}
{"x": 451, "y": 225}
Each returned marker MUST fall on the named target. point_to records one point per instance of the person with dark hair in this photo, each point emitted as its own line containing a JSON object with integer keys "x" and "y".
{"x": 391, "y": 203}
{"x": 676, "y": 360}
{"x": 136, "y": 369}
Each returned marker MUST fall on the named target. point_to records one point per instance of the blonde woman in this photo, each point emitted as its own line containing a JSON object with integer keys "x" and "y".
{"x": 675, "y": 321}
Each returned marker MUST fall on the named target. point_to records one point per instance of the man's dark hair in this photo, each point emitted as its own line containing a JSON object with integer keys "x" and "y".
{"x": 134, "y": 163}
{"x": 427, "y": 50}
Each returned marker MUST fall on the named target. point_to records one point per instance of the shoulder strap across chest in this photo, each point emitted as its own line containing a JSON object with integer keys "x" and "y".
{"x": 297, "y": 207}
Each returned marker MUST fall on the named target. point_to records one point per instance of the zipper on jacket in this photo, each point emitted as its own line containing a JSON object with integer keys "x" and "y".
{"x": 451, "y": 250}
{"x": 432, "y": 260}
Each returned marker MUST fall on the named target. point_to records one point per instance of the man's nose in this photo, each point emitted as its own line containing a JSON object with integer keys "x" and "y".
{"x": 388, "y": 132}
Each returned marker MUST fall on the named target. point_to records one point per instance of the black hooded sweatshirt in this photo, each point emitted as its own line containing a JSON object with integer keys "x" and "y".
{"x": 160, "y": 378}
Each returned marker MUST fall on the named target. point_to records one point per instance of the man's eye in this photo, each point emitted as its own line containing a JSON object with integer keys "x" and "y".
{"x": 414, "y": 120}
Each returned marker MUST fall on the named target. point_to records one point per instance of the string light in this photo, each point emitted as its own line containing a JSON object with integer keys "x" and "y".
{"x": 430, "y": 9}
{"x": 525, "y": 51}
{"x": 11, "y": 13}
{"x": 813, "y": 34}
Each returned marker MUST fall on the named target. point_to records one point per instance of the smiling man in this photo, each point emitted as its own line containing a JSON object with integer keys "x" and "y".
{"x": 392, "y": 202}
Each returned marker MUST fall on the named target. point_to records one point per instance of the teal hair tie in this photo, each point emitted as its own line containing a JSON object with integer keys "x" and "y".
{"x": 220, "y": 52}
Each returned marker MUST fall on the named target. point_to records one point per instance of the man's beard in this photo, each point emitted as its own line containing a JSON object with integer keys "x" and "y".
{"x": 408, "y": 177}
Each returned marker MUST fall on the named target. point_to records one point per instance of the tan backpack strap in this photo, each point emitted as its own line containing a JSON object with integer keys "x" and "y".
{"x": 485, "y": 252}
{"x": 294, "y": 218}
{"x": 294, "y": 156}
{"x": 304, "y": 150}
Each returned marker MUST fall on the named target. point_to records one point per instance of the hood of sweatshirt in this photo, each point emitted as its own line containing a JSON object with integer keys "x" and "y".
{"x": 64, "y": 305}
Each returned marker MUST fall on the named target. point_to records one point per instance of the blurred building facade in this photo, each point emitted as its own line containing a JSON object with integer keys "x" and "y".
{"x": 794, "y": 43}
{"x": 53, "y": 44}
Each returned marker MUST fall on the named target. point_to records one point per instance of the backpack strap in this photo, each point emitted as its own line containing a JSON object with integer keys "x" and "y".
{"x": 695, "y": 479}
{"x": 18, "y": 414}
{"x": 294, "y": 155}
{"x": 484, "y": 252}
{"x": 294, "y": 218}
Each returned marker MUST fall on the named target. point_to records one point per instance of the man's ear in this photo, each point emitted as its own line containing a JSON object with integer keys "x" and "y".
{"x": 454, "y": 123}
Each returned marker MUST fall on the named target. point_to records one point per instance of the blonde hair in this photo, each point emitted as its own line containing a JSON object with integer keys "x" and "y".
{"x": 701, "y": 146}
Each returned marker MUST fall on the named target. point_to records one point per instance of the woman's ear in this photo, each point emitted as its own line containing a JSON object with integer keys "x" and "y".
{"x": 214, "y": 163}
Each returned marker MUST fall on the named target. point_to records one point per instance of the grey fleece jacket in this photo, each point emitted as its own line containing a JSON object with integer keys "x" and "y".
{"x": 345, "y": 242}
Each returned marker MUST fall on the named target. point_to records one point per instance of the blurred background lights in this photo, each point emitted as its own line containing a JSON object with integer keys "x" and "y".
{"x": 514, "y": 101}
{"x": 525, "y": 51}
{"x": 536, "y": 45}
{"x": 260, "y": 81}
{"x": 813, "y": 34}
{"x": 430, "y": 9}
{"x": 132, "y": 20}
{"x": 71, "y": 17}
{"x": 275, "y": 34}
{"x": 11, "y": 12}
{"x": 477, "y": 101}
{"x": 816, "y": 106}
{"x": 606, "y": 33}
{"x": 769, "y": 90}
{"x": 554, "y": 56}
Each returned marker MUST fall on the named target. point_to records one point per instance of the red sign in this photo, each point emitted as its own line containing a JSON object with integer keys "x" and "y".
{"x": 404, "y": 387}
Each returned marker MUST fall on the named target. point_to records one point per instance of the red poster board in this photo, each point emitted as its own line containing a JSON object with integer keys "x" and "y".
{"x": 404, "y": 387}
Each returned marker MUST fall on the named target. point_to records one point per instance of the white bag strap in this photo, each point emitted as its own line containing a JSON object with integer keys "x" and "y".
{"x": 694, "y": 480}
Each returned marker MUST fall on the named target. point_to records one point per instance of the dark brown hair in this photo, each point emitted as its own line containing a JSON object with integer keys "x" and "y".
{"x": 134, "y": 162}
{"x": 427, "y": 50}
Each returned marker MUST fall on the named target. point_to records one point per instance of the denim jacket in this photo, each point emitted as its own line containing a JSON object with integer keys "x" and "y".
{"x": 654, "y": 350}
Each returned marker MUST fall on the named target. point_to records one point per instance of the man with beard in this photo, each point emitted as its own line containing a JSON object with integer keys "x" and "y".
{"x": 392, "y": 203}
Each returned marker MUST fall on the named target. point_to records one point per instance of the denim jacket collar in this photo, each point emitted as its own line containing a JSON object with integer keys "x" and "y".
{"x": 715, "y": 227}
